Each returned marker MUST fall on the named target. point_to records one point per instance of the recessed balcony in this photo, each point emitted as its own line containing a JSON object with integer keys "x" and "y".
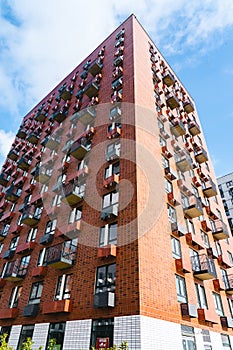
{"x": 172, "y": 100}
{"x": 33, "y": 138}
{"x": 110, "y": 212}
{"x": 30, "y": 217}
{"x": 61, "y": 256}
{"x": 15, "y": 271}
{"x": 178, "y": 229}
{"x": 22, "y": 133}
{"x": 183, "y": 161}
{"x": 168, "y": 78}
{"x": 166, "y": 152}
{"x": 170, "y": 173}
{"x": 200, "y": 155}
{"x": 228, "y": 282}
{"x": 57, "y": 306}
{"x": 24, "y": 163}
{"x": 91, "y": 89}
{"x": 13, "y": 155}
{"x": 39, "y": 271}
{"x": 177, "y": 128}
{"x": 188, "y": 106}
{"x": 4, "y": 179}
{"x": 25, "y": 247}
{"x": 106, "y": 251}
{"x": 13, "y": 194}
{"x": 85, "y": 116}
{"x": 111, "y": 181}
{"x": 80, "y": 148}
{"x": 104, "y": 299}
{"x": 209, "y": 188}
{"x": 192, "y": 206}
{"x": 59, "y": 116}
{"x": 95, "y": 68}
{"x": 220, "y": 230}
{"x": 203, "y": 267}
{"x": 194, "y": 128}
{"x": 31, "y": 310}
{"x": 114, "y": 133}
{"x": 41, "y": 116}
{"x": 196, "y": 181}
{"x": 205, "y": 225}
{"x": 72, "y": 193}
{"x": 9, "y": 313}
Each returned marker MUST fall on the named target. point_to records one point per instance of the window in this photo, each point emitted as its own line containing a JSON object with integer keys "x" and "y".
{"x": 13, "y": 243}
{"x": 190, "y": 226}
{"x": 44, "y": 188}
{"x": 56, "y": 201}
{"x": 1, "y": 247}
{"x": 168, "y": 186}
{"x": 112, "y": 169}
{"x": 26, "y": 332}
{"x": 165, "y": 162}
{"x": 41, "y": 257}
{"x": 162, "y": 142}
{"x": 205, "y": 239}
{"x": 102, "y": 328}
{"x": 63, "y": 289}
{"x": 226, "y": 341}
{"x": 38, "y": 212}
{"x": 35, "y": 293}
{"x": 14, "y": 298}
{"x": 105, "y": 278}
{"x": 218, "y": 304}
{"x": 32, "y": 235}
{"x": 230, "y": 257}
{"x": 218, "y": 248}
{"x": 229, "y": 183}
{"x": 108, "y": 235}
{"x": 176, "y": 248}
{"x": 188, "y": 338}
{"x": 57, "y": 331}
{"x": 5, "y": 230}
{"x": 83, "y": 164}
{"x": 195, "y": 191}
{"x": 75, "y": 215}
{"x": 114, "y": 149}
{"x": 219, "y": 214}
{"x": 51, "y": 227}
{"x": 181, "y": 289}
{"x": 171, "y": 214}
{"x": 230, "y": 304}
{"x": 201, "y": 296}
{"x": 110, "y": 199}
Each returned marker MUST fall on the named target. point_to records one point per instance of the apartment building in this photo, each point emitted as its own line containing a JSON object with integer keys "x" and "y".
{"x": 225, "y": 185}
{"x": 112, "y": 226}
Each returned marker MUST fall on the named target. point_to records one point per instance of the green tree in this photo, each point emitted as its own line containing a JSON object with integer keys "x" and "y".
{"x": 4, "y": 344}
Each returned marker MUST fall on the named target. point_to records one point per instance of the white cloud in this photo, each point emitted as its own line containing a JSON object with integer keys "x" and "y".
{"x": 6, "y": 140}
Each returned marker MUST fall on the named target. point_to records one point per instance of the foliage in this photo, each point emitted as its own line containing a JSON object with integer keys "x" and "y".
{"x": 4, "y": 344}
{"x": 52, "y": 343}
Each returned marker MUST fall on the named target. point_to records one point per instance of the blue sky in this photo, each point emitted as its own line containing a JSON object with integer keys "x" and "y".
{"x": 42, "y": 41}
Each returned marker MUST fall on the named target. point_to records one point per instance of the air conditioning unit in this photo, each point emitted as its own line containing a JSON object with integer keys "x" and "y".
{"x": 188, "y": 310}
{"x": 31, "y": 310}
{"x": 48, "y": 238}
{"x": 104, "y": 299}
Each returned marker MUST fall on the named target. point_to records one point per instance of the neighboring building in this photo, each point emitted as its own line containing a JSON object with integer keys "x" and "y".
{"x": 112, "y": 227}
{"x": 225, "y": 185}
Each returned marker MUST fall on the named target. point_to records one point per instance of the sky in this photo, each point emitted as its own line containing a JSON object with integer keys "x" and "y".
{"x": 42, "y": 41}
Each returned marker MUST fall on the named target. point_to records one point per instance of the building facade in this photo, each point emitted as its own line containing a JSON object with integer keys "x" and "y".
{"x": 225, "y": 185}
{"x": 112, "y": 227}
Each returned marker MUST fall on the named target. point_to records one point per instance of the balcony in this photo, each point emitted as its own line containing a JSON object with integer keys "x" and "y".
{"x": 13, "y": 194}
{"x": 91, "y": 90}
{"x": 111, "y": 181}
{"x": 13, "y": 155}
{"x": 200, "y": 155}
{"x": 194, "y": 240}
{"x": 61, "y": 256}
{"x": 228, "y": 282}
{"x": 33, "y": 138}
{"x": 9, "y": 313}
{"x": 166, "y": 152}
{"x": 30, "y": 217}
{"x": 107, "y": 251}
{"x": 194, "y": 128}
{"x": 183, "y": 161}
{"x": 203, "y": 267}
{"x": 31, "y": 310}
{"x": 46, "y": 238}
{"x": 226, "y": 322}
{"x": 172, "y": 100}
{"x": 57, "y": 306}
{"x": 104, "y": 299}
{"x": 178, "y": 229}
{"x": 114, "y": 133}
{"x": 66, "y": 94}
{"x": 4, "y": 229}
{"x": 183, "y": 188}
{"x": 20, "y": 181}
{"x": 192, "y": 206}
{"x": 82, "y": 173}
{"x": 205, "y": 225}
{"x": 118, "y": 61}
{"x": 170, "y": 173}
{"x": 95, "y": 68}
{"x": 25, "y": 247}
{"x": 196, "y": 181}
{"x": 220, "y": 230}
{"x": 4, "y": 179}
{"x": 171, "y": 199}
{"x": 39, "y": 271}
{"x": 163, "y": 131}
{"x": 85, "y": 116}
{"x": 15, "y": 271}
{"x": 117, "y": 84}
{"x": 211, "y": 213}
{"x": 72, "y": 193}
{"x": 209, "y": 188}
{"x": 51, "y": 142}
{"x": 41, "y": 174}
{"x": 22, "y": 133}
{"x": 110, "y": 212}
{"x": 188, "y": 106}
{"x": 41, "y": 116}
{"x": 80, "y": 148}
{"x": 188, "y": 310}
{"x": 24, "y": 163}
{"x": 59, "y": 116}
{"x": 177, "y": 128}
{"x": 168, "y": 78}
